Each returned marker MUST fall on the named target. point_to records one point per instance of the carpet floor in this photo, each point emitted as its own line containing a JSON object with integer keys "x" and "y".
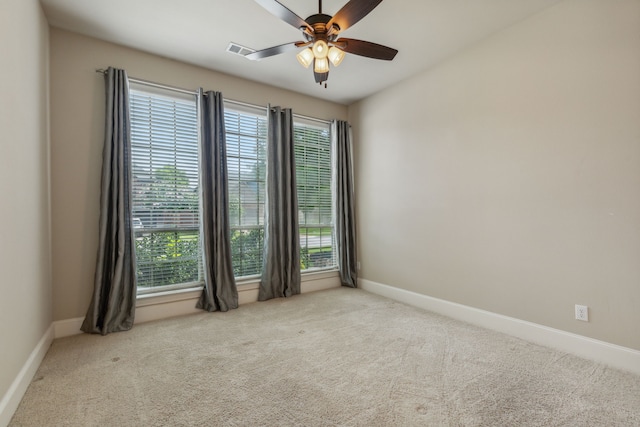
{"x": 342, "y": 357}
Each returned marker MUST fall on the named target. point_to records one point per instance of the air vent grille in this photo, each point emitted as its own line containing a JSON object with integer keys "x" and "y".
{"x": 237, "y": 49}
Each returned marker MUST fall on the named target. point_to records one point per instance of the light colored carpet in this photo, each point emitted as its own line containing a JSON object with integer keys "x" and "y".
{"x": 341, "y": 357}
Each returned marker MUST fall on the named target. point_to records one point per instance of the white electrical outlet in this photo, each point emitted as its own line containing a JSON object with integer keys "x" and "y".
{"x": 582, "y": 313}
{"x": 358, "y": 265}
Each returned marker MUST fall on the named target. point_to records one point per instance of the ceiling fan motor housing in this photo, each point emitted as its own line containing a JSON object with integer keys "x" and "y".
{"x": 319, "y": 23}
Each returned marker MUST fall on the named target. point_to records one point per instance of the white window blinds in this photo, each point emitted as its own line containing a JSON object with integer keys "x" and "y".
{"x": 246, "y": 132}
{"x": 164, "y": 134}
{"x": 315, "y": 197}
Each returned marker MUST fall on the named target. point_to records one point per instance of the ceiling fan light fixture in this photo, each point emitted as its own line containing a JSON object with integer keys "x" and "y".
{"x": 321, "y": 65}
{"x": 336, "y": 55}
{"x": 320, "y": 49}
{"x": 305, "y": 57}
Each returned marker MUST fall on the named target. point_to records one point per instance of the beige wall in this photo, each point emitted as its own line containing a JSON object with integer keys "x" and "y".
{"x": 77, "y": 116}
{"x": 25, "y": 287}
{"x": 508, "y": 178}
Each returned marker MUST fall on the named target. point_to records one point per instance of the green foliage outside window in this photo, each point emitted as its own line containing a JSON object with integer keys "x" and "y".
{"x": 246, "y": 251}
{"x": 166, "y": 258}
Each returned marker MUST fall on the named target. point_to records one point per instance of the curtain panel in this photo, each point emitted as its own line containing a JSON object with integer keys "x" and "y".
{"x": 281, "y": 264}
{"x": 220, "y": 292}
{"x": 112, "y": 306}
{"x": 345, "y": 215}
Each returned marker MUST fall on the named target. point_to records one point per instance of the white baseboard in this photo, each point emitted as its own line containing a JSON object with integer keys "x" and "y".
{"x": 600, "y": 351}
{"x": 68, "y": 327}
{"x": 166, "y": 306}
{"x": 13, "y": 396}
{"x": 320, "y": 282}
{"x": 165, "y": 310}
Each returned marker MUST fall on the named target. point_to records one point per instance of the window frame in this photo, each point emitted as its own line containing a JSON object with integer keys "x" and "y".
{"x": 139, "y": 145}
{"x": 260, "y": 116}
{"x": 323, "y": 125}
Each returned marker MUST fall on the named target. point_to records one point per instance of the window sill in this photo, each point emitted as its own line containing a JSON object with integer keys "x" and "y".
{"x": 247, "y": 285}
{"x": 254, "y": 282}
{"x": 164, "y": 297}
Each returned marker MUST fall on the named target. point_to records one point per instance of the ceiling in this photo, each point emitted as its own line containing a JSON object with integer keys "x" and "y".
{"x": 199, "y": 31}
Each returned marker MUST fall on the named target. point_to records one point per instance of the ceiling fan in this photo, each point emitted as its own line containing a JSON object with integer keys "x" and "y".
{"x": 322, "y": 42}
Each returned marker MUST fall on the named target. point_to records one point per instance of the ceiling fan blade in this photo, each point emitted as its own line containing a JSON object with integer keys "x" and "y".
{"x": 352, "y": 12}
{"x": 272, "y": 51}
{"x": 368, "y": 49}
{"x": 285, "y": 14}
{"x": 321, "y": 77}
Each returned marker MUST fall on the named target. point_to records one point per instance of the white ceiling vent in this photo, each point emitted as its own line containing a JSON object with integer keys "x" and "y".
{"x": 237, "y": 49}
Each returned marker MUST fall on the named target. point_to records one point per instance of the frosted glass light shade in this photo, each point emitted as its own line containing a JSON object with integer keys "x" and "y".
{"x": 305, "y": 57}
{"x": 320, "y": 49}
{"x": 321, "y": 65}
{"x": 336, "y": 56}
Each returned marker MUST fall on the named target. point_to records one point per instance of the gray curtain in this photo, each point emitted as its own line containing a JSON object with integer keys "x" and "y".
{"x": 113, "y": 303}
{"x": 219, "y": 293}
{"x": 346, "y": 243}
{"x": 281, "y": 265}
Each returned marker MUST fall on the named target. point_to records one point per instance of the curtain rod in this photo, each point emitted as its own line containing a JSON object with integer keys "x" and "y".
{"x": 300, "y": 116}
{"x": 312, "y": 119}
{"x": 153, "y": 84}
{"x": 195, "y": 92}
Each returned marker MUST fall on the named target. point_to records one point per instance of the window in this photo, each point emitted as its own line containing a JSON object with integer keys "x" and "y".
{"x": 315, "y": 196}
{"x": 164, "y": 139}
{"x": 165, "y": 181}
{"x": 246, "y": 131}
